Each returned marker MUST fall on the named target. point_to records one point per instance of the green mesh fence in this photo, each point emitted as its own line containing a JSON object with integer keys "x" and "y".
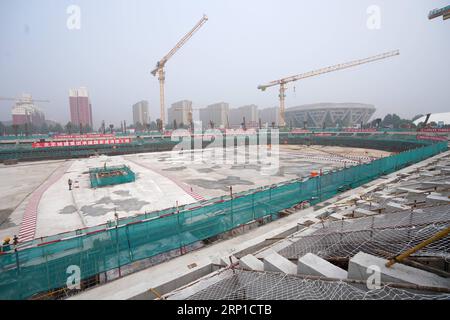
{"x": 25, "y": 152}
{"x": 45, "y": 266}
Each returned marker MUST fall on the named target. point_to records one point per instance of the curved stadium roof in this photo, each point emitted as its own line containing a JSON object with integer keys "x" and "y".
{"x": 328, "y": 105}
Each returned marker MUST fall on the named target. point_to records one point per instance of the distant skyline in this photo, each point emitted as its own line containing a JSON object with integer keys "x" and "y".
{"x": 243, "y": 44}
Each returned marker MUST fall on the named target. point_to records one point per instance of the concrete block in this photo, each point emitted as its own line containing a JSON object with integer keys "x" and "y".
{"x": 225, "y": 260}
{"x": 438, "y": 198}
{"x": 276, "y": 263}
{"x": 360, "y": 212}
{"x": 251, "y": 262}
{"x": 307, "y": 221}
{"x": 336, "y": 216}
{"x": 313, "y": 265}
{"x": 411, "y": 190}
{"x": 396, "y": 205}
{"x": 398, "y": 273}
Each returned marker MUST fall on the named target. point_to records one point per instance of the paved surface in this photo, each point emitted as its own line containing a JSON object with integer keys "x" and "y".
{"x": 17, "y": 183}
{"x": 163, "y": 180}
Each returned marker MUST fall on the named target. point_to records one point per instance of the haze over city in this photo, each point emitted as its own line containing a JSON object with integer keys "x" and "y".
{"x": 245, "y": 43}
{"x": 226, "y": 150}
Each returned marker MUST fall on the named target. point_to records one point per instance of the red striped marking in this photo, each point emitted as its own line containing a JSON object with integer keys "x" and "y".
{"x": 28, "y": 226}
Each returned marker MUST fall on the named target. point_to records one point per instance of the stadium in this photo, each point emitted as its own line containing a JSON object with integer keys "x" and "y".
{"x": 321, "y": 115}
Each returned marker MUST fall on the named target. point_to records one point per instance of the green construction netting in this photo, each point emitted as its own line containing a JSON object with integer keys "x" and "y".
{"x": 111, "y": 175}
{"x": 45, "y": 267}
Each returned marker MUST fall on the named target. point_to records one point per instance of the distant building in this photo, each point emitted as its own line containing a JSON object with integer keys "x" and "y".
{"x": 80, "y": 107}
{"x": 268, "y": 115}
{"x": 329, "y": 115}
{"x": 249, "y": 112}
{"x": 179, "y": 111}
{"x": 26, "y": 112}
{"x": 140, "y": 113}
{"x": 217, "y": 113}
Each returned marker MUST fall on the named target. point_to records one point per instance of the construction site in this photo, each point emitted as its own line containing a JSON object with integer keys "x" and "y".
{"x": 165, "y": 220}
{"x": 272, "y": 212}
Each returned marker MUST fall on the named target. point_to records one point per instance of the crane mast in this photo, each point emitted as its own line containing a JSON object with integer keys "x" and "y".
{"x": 282, "y": 82}
{"x": 159, "y": 69}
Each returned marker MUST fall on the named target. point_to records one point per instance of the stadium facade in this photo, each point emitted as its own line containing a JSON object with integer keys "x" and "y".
{"x": 328, "y": 115}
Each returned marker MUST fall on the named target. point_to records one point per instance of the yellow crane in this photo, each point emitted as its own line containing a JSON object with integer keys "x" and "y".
{"x": 159, "y": 69}
{"x": 282, "y": 82}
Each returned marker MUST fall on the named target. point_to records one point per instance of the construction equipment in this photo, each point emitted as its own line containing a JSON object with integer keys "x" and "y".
{"x": 284, "y": 81}
{"x": 161, "y": 63}
{"x": 444, "y": 12}
{"x": 437, "y": 236}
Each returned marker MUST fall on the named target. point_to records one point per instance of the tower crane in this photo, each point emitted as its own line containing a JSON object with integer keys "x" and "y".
{"x": 282, "y": 82}
{"x": 159, "y": 69}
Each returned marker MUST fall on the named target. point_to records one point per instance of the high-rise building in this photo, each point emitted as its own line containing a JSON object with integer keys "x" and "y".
{"x": 249, "y": 112}
{"x": 26, "y": 112}
{"x": 179, "y": 111}
{"x": 140, "y": 113}
{"x": 80, "y": 107}
{"x": 268, "y": 115}
{"x": 217, "y": 113}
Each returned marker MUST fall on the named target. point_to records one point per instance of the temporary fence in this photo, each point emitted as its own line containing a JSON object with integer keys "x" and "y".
{"x": 25, "y": 152}
{"x": 47, "y": 266}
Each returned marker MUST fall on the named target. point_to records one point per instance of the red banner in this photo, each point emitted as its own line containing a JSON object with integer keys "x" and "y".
{"x": 84, "y": 136}
{"x": 300, "y": 131}
{"x": 231, "y": 132}
{"x": 435, "y": 130}
{"x": 434, "y": 138}
{"x": 74, "y": 143}
{"x": 360, "y": 130}
{"x": 323, "y": 134}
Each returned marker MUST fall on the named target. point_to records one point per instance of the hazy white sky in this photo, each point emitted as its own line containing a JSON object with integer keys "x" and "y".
{"x": 244, "y": 43}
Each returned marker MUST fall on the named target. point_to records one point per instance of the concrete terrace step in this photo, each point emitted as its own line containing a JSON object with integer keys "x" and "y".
{"x": 251, "y": 262}
{"x": 277, "y": 263}
{"x": 313, "y": 265}
{"x": 362, "y": 262}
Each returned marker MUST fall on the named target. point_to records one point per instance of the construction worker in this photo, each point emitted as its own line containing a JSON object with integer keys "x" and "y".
{"x": 6, "y": 246}
{"x": 69, "y": 182}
